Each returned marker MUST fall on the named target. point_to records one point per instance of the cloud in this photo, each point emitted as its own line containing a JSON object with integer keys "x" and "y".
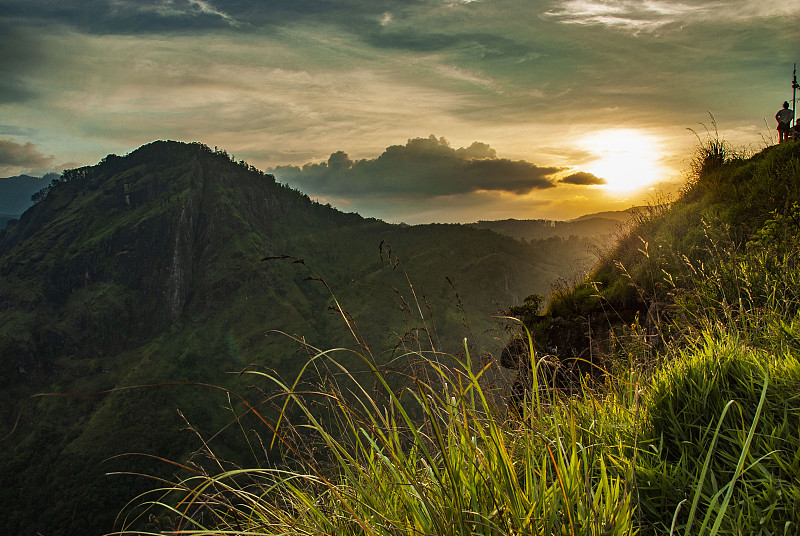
{"x": 25, "y": 156}
{"x": 651, "y": 15}
{"x": 14, "y": 91}
{"x": 185, "y": 8}
{"x": 476, "y": 150}
{"x": 123, "y": 16}
{"x": 16, "y": 130}
{"x": 582, "y": 178}
{"x": 129, "y": 17}
{"x": 424, "y": 167}
{"x": 292, "y": 81}
{"x": 636, "y": 15}
{"x": 480, "y": 45}
{"x": 21, "y": 52}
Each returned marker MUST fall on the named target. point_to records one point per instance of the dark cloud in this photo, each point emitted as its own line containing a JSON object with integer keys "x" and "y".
{"x": 582, "y": 178}
{"x": 476, "y": 150}
{"x": 120, "y": 16}
{"x": 20, "y": 53}
{"x": 27, "y": 156}
{"x": 154, "y": 16}
{"x": 14, "y": 91}
{"x": 16, "y": 130}
{"x": 424, "y": 167}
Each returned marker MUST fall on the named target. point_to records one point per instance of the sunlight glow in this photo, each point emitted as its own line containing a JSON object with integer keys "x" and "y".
{"x": 627, "y": 159}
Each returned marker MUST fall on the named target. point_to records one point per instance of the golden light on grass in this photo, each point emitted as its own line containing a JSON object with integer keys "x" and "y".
{"x": 626, "y": 158}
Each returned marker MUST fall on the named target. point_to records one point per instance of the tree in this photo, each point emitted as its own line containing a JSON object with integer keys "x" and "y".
{"x": 529, "y": 310}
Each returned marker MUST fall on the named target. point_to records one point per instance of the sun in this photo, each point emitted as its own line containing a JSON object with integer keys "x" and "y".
{"x": 626, "y": 159}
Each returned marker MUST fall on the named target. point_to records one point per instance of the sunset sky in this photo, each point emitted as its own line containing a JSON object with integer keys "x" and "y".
{"x": 405, "y": 110}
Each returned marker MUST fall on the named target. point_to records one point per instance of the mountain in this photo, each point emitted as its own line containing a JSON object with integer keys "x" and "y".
{"x": 601, "y": 228}
{"x": 623, "y": 216}
{"x": 132, "y": 288}
{"x": 16, "y": 192}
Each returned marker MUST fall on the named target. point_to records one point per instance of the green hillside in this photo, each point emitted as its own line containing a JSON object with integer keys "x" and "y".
{"x": 132, "y": 283}
{"x": 648, "y": 277}
{"x": 684, "y": 419}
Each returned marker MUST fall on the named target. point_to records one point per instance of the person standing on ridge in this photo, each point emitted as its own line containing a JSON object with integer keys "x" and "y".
{"x": 784, "y": 118}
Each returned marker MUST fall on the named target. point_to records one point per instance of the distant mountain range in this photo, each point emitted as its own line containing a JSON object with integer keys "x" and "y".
{"x": 16, "y": 192}
{"x": 172, "y": 267}
{"x": 601, "y": 226}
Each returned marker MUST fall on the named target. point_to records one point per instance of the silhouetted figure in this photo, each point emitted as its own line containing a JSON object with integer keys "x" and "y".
{"x": 784, "y": 118}
{"x": 796, "y": 131}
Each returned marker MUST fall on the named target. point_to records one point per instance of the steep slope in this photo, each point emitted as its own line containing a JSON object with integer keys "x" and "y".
{"x": 148, "y": 270}
{"x": 670, "y": 252}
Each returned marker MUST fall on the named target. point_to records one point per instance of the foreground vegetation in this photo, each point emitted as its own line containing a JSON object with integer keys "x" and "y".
{"x": 689, "y": 424}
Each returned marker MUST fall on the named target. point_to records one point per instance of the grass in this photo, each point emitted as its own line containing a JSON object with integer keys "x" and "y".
{"x": 737, "y": 410}
{"x": 437, "y": 457}
{"x": 135, "y": 341}
{"x": 711, "y": 152}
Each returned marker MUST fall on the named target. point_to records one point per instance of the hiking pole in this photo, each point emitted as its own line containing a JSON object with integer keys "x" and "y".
{"x": 794, "y": 88}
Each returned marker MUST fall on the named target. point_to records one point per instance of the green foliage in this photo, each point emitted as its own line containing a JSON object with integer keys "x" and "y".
{"x": 662, "y": 271}
{"x": 707, "y": 444}
{"x": 529, "y": 310}
{"x": 781, "y": 231}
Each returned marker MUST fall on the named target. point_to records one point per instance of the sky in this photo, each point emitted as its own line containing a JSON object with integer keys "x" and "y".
{"x": 410, "y": 111}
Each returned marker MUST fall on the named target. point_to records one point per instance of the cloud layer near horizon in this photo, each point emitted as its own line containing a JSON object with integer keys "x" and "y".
{"x": 14, "y": 155}
{"x": 424, "y": 167}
